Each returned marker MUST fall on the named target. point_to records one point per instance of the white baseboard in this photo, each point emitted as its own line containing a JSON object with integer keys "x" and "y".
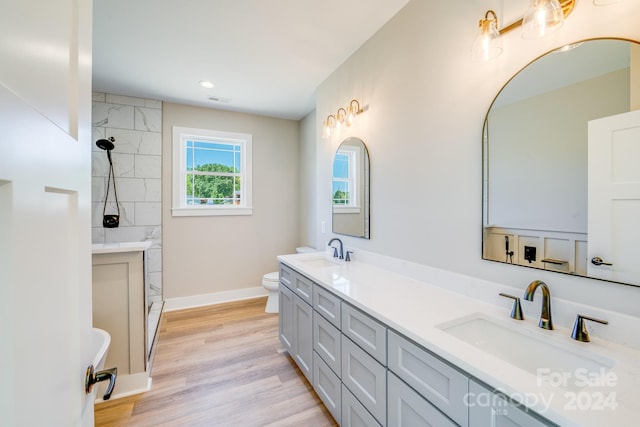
{"x": 193, "y": 301}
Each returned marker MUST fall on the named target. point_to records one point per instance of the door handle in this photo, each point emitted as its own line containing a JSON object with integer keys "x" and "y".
{"x": 93, "y": 377}
{"x": 596, "y": 260}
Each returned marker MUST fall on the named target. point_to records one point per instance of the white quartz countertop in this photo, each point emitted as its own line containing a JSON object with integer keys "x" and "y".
{"x": 110, "y": 248}
{"x": 416, "y": 308}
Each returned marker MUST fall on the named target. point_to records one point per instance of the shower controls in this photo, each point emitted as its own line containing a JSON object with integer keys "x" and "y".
{"x": 530, "y": 253}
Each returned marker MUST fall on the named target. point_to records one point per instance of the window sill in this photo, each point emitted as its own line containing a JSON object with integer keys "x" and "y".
{"x": 208, "y": 211}
{"x": 350, "y": 210}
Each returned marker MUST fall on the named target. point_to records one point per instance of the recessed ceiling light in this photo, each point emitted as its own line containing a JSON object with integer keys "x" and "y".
{"x": 207, "y": 84}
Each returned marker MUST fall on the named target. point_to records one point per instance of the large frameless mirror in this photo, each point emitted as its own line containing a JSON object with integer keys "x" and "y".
{"x": 350, "y": 189}
{"x": 561, "y": 151}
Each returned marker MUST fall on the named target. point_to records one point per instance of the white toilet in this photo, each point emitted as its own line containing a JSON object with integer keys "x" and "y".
{"x": 271, "y": 282}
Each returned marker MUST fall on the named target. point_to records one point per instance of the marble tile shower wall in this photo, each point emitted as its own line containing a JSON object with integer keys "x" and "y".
{"x": 136, "y": 125}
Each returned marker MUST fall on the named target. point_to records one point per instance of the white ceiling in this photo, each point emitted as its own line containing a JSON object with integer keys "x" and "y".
{"x": 265, "y": 56}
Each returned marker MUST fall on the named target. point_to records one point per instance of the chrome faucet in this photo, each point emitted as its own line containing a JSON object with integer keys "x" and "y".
{"x": 545, "y": 316}
{"x": 335, "y": 250}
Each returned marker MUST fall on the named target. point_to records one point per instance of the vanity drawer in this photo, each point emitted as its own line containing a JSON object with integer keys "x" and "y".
{"x": 327, "y": 342}
{"x": 353, "y": 413}
{"x": 286, "y": 276}
{"x": 496, "y": 411}
{"x": 327, "y": 304}
{"x": 328, "y": 386}
{"x": 365, "y": 378}
{"x": 441, "y": 384}
{"x": 303, "y": 287}
{"x": 365, "y": 331}
{"x": 408, "y": 408}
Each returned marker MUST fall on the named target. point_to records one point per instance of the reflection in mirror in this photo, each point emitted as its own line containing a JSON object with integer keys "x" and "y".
{"x": 538, "y": 145}
{"x": 350, "y": 189}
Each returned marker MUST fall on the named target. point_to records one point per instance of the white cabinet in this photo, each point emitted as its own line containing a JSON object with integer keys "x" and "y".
{"x": 444, "y": 386}
{"x": 408, "y": 409}
{"x": 487, "y": 408}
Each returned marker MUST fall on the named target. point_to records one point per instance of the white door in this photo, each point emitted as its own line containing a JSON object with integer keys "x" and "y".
{"x": 614, "y": 197}
{"x": 45, "y": 234}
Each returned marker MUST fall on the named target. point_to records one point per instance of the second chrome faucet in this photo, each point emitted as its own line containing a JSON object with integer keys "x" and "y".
{"x": 545, "y": 315}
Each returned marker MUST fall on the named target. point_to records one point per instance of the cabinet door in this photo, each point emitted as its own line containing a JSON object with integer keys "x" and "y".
{"x": 365, "y": 378}
{"x": 286, "y": 317}
{"x": 353, "y": 413}
{"x": 489, "y": 409}
{"x": 327, "y": 342}
{"x": 327, "y": 304}
{"x": 303, "y": 336}
{"x": 439, "y": 383}
{"x": 408, "y": 409}
{"x": 365, "y": 331}
{"x": 328, "y": 386}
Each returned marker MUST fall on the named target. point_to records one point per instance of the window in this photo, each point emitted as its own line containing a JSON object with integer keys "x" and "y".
{"x": 345, "y": 197}
{"x": 211, "y": 172}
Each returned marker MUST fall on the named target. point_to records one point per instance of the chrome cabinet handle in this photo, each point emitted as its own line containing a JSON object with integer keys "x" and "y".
{"x": 93, "y": 377}
{"x": 596, "y": 260}
{"x": 580, "y": 332}
{"x": 516, "y": 311}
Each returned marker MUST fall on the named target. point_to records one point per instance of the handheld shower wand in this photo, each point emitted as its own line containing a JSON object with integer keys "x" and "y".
{"x": 509, "y": 254}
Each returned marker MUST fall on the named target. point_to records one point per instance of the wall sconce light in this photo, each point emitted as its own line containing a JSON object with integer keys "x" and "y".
{"x": 329, "y": 124}
{"x": 541, "y": 18}
{"x": 344, "y": 116}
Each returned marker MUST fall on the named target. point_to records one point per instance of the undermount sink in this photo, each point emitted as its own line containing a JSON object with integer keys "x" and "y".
{"x": 530, "y": 351}
{"x": 320, "y": 262}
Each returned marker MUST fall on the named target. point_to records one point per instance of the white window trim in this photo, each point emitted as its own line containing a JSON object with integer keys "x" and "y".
{"x": 178, "y": 202}
{"x": 352, "y": 154}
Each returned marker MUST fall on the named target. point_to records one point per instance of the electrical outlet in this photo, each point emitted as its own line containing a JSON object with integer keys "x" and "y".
{"x": 530, "y": 253}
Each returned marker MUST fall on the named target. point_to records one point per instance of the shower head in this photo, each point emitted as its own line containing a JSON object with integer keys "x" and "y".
{"x": 106, "y": 144}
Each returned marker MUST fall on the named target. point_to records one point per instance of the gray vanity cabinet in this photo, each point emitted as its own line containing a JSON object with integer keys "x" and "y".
{"x": 327, "y": 342}
{"x": 303, "y": 336}
{"x": 368, "y": 375}
{"x": 285, "y": 319}
{"x": 365, "y": 331}
{"x": 407, "y": 408}
{"x": 353, "y": 413}
{"x": 487, "y": 408}
{"x": 437, "y": 381}
{"x": 365, "y": 378}
{"x": 296, "y": 322}
{"x": 328, "y": 386}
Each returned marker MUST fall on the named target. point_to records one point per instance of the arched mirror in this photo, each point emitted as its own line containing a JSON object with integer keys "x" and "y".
{"x": 350, "y": 189}
{"x": 547, "y": 136}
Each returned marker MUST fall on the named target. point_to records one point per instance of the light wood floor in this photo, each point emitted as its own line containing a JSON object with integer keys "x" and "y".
{"x": 220, "y": 366}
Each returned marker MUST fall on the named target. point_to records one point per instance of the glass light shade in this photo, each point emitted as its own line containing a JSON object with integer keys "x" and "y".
{"x": 543, "y": 17}
{"x": 487, "y": 44}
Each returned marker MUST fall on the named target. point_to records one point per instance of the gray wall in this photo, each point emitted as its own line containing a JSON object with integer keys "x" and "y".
{"x": 204, "y": 255}
{"x": 427, "y": 102}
